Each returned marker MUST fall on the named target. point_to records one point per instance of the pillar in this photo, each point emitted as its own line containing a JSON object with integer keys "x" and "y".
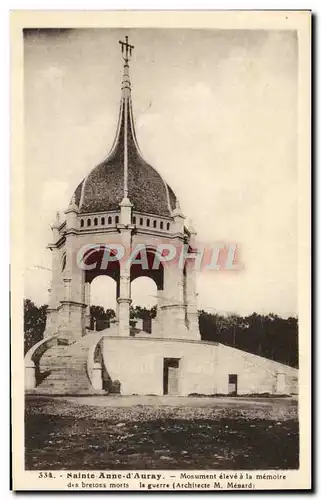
{"x": 30, "y": 376}
{"x": 178, "y": 216}
{"x": 97, "y": 379}
{"x": 52, "y": 316}
{"x": 73, "y": 305}
{"x": 124, "y": 300}
{"x": 173, "y": 310}
{"x": 191, "y": 300}
{"x": 124, "y": 289}
{"x": 87, "y": 302}
{"x": 52, "y": 322}
{"x": 157, "y": 322}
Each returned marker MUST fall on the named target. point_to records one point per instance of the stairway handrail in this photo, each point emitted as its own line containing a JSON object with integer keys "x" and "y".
{"x": 36, "y": 351}
{"x": 91, "y": 357}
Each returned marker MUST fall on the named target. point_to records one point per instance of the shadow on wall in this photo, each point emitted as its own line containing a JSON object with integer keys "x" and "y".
{"x": 109, "y": 385}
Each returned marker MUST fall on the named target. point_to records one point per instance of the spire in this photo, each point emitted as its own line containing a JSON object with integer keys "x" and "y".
{"x": 57, "y": 221}
{"x": 126, "y": 49}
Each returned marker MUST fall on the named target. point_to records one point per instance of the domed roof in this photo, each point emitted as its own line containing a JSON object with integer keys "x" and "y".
{"x": 104, "y": 188}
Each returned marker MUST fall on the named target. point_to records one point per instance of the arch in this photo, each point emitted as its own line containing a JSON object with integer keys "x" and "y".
{"x": 88, "y": 222}
{"x": 168, "y": 226}
{"x": 141, "y": 221}
{"x": 116, "y": 219}
{"x": 147, "y": 222}
{"x": 137, "y": 269}
{"x": 109, "y": 220}
{"x": 144, "y": 292}
{"x": 102, "y": 221}
{"x": 82, "y": 222}
{"x": 144, "y": 302}
{"x": 161, "y": 224}
{"x": 95, "y": 221}
{"x": 103, "y": 294}
{"x": 95, "y": 257}
{"x": 155, "y": 223}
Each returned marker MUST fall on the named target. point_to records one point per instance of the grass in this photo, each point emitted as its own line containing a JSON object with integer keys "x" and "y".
{"x": 62, "y": 434}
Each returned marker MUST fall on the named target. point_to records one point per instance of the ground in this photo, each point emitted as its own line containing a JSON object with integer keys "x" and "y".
{"x": 104, "y": 433}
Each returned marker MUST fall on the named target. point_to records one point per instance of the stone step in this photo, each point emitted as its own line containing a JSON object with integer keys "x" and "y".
{"x": 67, "y": 391}
{"x": 67, "y": 384}
{"x": 67, "y": 367}
{"x": 62, "y": 366}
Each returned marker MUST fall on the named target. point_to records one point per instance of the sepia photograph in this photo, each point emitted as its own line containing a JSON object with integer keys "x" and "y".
{"x": 162, "y": 343}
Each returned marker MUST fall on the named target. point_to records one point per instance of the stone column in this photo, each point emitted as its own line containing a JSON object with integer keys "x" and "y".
{"x": 173, "y": 310}
{"x": 73, "y": 305}
{"x": 124, "y": 301}
{"x": 87, "y": 302}
{"x": 191, "y": 300}
{"x": 52, "y": 322}
{"x": 117, "y": 297}
{"x": 157, "y": 322}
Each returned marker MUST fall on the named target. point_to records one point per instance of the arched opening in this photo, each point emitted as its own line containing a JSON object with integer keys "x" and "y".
{"x": 155, "y": 223}
{"x": 146, "y": 284}
{"x": 101, "y": 285}
{"x": 81, "y": 222}
{"x": 103, "y": 304}
{"x": 95, "y": 221}
{"x": 147, "y": 222}
{"x": 116, "y": 219}
{"x": 168, "y": 226}
{"x": 88, "y": 222}
{"x": 144, "y": 303}
{"x": 141, "y": 221}
{"x": 161, "y": 225}
{"x": 109, "y": 220}
{"x": 102, "y": 221}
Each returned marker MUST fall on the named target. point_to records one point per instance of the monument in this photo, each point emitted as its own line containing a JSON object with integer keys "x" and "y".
{"x": 124, "y": 203}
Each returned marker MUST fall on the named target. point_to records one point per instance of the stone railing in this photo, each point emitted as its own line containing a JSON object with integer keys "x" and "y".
{"x": 94, "y": 364}
{"x": 98, "y": 221}
{"x": 32, "y": 359}
{"x": 151, "y": 222}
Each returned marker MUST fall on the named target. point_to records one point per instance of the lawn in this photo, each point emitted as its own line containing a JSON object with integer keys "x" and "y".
{"x": 159, "y": 433}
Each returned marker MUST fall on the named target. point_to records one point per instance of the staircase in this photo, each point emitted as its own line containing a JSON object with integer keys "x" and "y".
{"x": 63, "y": 369}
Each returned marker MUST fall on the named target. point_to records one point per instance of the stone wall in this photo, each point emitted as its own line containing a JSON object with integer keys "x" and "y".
{"x": 204, "y": 367}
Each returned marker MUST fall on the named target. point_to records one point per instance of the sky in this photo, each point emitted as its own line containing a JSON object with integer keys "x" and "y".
{"x": 216, "y": 115}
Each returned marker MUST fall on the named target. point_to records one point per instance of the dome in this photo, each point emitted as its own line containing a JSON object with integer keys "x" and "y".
{"x": 103, "y": 189}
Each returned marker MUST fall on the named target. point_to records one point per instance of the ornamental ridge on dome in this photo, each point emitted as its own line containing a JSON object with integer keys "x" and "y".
{"x": 124, "y": 174}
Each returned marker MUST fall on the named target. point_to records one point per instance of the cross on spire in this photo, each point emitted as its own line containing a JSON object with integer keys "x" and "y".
{"x": 126, "y": 49}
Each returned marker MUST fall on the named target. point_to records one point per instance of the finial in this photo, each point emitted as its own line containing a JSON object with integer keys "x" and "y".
{"x": 126, "y": 49}
{"x": 72, "y": 207}
{"x": 56, "y": 223}
{"x": 177, "y": 211}
{"x": 73, "y": 200}
{"x": 190, "y": 226}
